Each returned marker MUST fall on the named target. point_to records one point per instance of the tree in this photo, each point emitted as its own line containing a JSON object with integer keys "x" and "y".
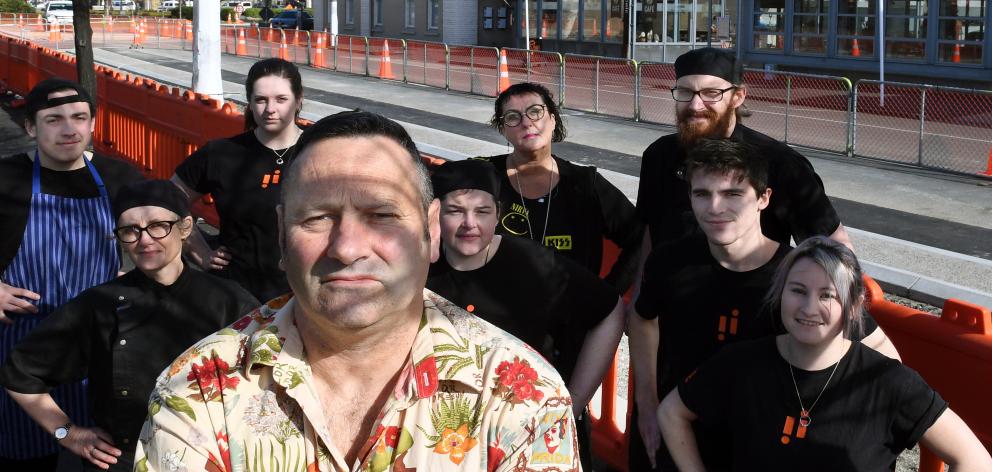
{"x": 83, "y": 38}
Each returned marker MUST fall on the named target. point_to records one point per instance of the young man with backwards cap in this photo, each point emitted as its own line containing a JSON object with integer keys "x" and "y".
{"x": 121, "y": 334}
{"x": 56, "y": 240}
{"x": 709, "y": 93}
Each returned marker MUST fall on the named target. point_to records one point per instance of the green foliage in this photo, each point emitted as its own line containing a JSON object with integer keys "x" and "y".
{"x": 188, "y": 13}
{"x": 16, "y": 6}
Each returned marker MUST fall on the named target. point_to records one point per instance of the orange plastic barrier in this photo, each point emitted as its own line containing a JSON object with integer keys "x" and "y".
{"x": 953, "y": 353}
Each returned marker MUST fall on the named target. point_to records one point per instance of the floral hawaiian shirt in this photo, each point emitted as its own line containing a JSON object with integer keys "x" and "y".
{"x": 471, "y": 398}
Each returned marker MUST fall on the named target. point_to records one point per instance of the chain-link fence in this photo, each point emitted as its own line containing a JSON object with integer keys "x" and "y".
{"x": 802, "y": 109}
{"x": 600, "y": 84}
{"x": 937, "y": 127}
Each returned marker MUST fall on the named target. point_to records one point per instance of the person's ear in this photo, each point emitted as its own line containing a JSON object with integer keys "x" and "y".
{"x": 434, "y": 228}
{"x": 764, "y": 198}
{"x": 186, "y": 227}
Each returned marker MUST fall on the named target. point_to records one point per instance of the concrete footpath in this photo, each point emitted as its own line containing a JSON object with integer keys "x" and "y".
{"x": 923, "y": 234}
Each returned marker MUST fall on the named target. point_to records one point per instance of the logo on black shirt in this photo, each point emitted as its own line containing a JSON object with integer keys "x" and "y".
{"x": 722, "y": 326}
{"x": 561, "y": 243}
{"x": 787, "y": 430}
{"x": 273, "y": 178}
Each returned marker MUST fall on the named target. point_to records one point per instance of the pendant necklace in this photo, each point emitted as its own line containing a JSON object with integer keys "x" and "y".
{"x": 279, "y": 155}
{"x": 804, "y": 419}
{"x": 547, "y": 215}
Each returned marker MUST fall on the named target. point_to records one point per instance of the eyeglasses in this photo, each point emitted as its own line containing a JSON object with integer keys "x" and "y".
{"x": 157, "y": 230}
{"x": 709, "y": 95}
{"x": 513, "y": 118}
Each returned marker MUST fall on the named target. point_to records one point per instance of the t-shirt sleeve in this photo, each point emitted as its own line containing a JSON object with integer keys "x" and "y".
{"x": 705, "y": 390}
{"x": 623, "y": 227}
{"x": 55, "y": 352}
{"x": 916, "y": 411}
{"x": 586, "y": 300}
{"x": 194, "y": 170}
{"x": 810, "y": 211}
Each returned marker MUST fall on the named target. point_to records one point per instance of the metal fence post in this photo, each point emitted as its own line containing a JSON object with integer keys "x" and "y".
{"x": 788, "y": 105}
{"x": 595, "y": 103}
{"x": 528, "y": 53}
{"x": 405, "y": 55}
{"x": 923, "y": 108}
{"x": 447, "y": 67}
{"x": 368, "y": 48}
{"x": 471, "y": 70}
{"x": 425, "y": 63}
{"x": 309, "y": 49}
{"x": 561, "y": 80}
{"x": 853, "y": 122}
{"x": 158, "y": 33}
{"x": 258, "y": 40}
{"x": 637, "y": 90}
{"x": 851, "y": 97}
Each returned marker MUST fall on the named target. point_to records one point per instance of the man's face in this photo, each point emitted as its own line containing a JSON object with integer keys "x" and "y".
{"x": 727, "y": 208}
{"x": 468, "y": 221}
{"x": 63, "y": 132}
{"x": 698, "y": 119}
{"x": 356, "y": 244}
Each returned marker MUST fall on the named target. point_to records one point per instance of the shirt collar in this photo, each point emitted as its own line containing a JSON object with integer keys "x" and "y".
{"x": 441, "y": 351}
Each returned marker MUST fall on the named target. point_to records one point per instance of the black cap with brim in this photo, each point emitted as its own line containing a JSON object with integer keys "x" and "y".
{"x": 471, "y": 174}
{"x": 37, "y": 99}
{"x": 158, "y": 193}
{"x": 720, "y": 63}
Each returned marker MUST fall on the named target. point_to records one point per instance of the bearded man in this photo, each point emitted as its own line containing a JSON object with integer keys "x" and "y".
{"x": 709, "y": 93}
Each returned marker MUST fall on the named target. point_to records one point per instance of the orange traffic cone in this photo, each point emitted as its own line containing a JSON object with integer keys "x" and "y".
{"x": 242, "y": 47}
{"x": 855, "y": 50}
{"x": 956, "y": 54}
{"x": 988, "y": 171}
{"x": 283, "y": 48}
{"x": 189, "y": 30}
{"x": 504, "y": 72}
{"x": 139, "y": 37}
{"x": 229, "y": 19}
{"x": 55, "y": 33}
{"x": 385, "y": 64}
{"x": 318, "y": 52}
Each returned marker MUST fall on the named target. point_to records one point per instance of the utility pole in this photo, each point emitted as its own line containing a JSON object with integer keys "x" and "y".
{"x": 206, "y": 49}
{"x": 83, "y": 38}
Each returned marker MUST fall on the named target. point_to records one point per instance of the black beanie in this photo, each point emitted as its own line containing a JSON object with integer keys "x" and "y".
{"x": 470, "y": 174}
{"x": 159, "y": 193}
{"x": 721, "y": 63}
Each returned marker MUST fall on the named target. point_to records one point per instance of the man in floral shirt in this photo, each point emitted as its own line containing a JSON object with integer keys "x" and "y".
{"x": 362, "y": 369}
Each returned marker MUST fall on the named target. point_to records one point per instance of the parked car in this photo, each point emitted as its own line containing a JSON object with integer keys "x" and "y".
{"x": 122, "y": 5}
{"x": 58, "y": 12}
{"x": 292, "y": 19}
{"x": 244, "y": 4}
{"x": 167, "y": 5}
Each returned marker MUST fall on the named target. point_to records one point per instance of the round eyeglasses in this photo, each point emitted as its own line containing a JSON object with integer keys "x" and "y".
{"x": 157, "y": 230}
{"x": 708, "y": 95}
{"x": 513, "y": 118}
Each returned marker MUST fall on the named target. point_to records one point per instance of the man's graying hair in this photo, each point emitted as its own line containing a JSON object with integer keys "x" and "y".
{"x": 358, "y": 123}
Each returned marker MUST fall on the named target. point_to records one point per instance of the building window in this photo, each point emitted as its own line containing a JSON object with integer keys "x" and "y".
{"x": 769, "y": 25}
{"x": 906, "y": 29}
{"x": 961, "y": 30}
{"x": 349, "y": 12}
{"x": 592, "y": 20}
{"x": 433, "y": 14}
{"x": 377, "y": 12}
{"x": 549, "y": 19}
{"x": 856, "y": 28}
{"x": 614, "y": 21}
{"x": 809, "y": 26}
{"x": 411, "y": 8}
{"x": 569, "y": 19}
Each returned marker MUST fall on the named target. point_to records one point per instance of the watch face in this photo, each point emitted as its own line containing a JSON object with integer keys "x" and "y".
{"x": 61, "y": 433}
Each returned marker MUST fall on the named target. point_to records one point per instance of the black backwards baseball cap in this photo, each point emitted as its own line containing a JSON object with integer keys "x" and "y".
{"x": 38, "y": 100}
{"x": 721, "y": 63}
{"x": 159, "y": 193}
{"x": 470, "y": 174}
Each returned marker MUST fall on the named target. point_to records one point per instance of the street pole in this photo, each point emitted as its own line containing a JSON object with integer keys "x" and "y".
{"x": 527, "y": 25}
{"x": 206, "y": 49}
{"x": 881, "y": 53}
{"x": 83, "y": 39}
{"x": 709, "y": 30}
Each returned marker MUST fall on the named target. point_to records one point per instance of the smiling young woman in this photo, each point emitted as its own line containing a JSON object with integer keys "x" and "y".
{"x": 812, "y": 396}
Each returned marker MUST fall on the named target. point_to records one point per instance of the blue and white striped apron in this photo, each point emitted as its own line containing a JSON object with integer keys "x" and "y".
{"x": 68, "y": 246}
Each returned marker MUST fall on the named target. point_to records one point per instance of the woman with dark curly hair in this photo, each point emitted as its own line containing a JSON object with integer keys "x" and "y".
{"x": 556, "y": 203}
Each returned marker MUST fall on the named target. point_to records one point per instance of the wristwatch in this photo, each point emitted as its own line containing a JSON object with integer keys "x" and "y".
{"x": 62, "y": 431}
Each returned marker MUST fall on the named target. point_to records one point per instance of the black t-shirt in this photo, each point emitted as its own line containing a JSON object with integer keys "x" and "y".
{"x": 872, "y": 409}
{"x": 15, "y": 192}
{"x": 530, "y": 292}
{"x": 798, "y": 208}
{"x": 585, "y": 209}
{"x": 121, "y": 335}
{"x": 703, "y": 306}
{"x": 243, "y": 177}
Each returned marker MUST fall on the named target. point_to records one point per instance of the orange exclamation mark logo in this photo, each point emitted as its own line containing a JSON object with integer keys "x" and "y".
{"x": 787, "y": 430}
{"x": 722, "y": 325}
{"x": 273, "y": 178}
